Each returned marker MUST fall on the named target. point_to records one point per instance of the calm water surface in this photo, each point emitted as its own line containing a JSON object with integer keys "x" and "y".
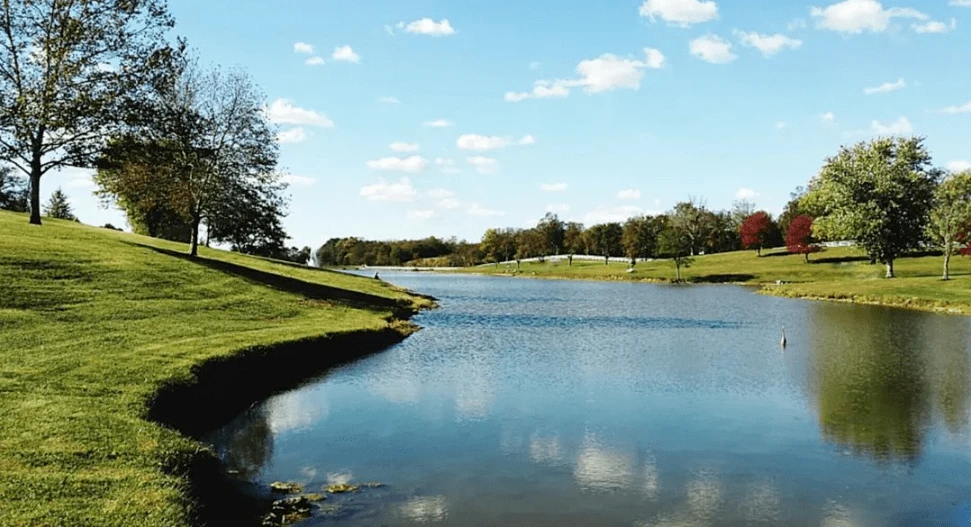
{"x": 554, "y": 403}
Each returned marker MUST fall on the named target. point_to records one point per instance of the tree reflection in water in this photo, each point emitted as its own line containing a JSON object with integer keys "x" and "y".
{"x": 246, "y": 445}
{"x": 877, "y": 375}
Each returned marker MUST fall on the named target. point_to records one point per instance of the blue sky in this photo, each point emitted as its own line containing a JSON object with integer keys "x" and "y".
{"x": 594, "y": 110}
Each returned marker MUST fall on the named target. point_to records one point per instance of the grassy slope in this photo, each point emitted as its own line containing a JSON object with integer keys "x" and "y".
{"x": 841, "y": 273}
{"x": 92, "y": 322}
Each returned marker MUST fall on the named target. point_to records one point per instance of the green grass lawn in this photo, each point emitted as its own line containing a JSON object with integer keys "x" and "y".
{"x": 93, "y": 322}
{"x": 836, "y": 274}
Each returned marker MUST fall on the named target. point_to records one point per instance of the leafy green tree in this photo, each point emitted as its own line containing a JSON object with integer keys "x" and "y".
{"x": 741, "y": 210}
{"x": 606, "y": 240}
{"x": 675, "y": 243}
{"x": 792, "y": 210}
{"x": 69, "y": 73}
{"x": 552, "y": 232}
{"x": 878, "y": 193}
{"x": 640, "y": 238}
{"x": 951, "y": 214}
{"x": 692, "y": 220}
{"x": 573, "y": 240}
{"x": 13, "y": 191}
{"x": 58, "y": 207}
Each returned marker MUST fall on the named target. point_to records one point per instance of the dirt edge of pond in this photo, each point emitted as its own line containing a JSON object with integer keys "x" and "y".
{"x": 220, "y": 389}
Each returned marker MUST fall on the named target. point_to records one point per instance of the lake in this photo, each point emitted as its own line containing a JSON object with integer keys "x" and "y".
{"x": 558, "y": 403}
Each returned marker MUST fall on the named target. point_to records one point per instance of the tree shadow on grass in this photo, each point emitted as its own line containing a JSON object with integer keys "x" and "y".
{"x": 721, "y": 278}
{"x": 354, "y": 299}
{"x": 839, "y": 259}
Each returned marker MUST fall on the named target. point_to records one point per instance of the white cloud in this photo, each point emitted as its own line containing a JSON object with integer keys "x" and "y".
{"x": 964, "y": 108}
{"x": 553, "y": 187}
{"x": 607, "y": 72}
{"x": 478, "y": 210}
{"x": 291, "y": 136}
{"x": 449, "y": 203}
{"x": 282, "y": 111}
{"x": 541, "y": 90}
{"x": 448, "y": 166}
{"x": 959, "y": 166}
{"x": 314, "y": 61}
{"x": 713, "y": 49}
{"x": 780, "y": 125}
{"x": 557, "y": 208}
{"x": 611, "y": 214}
{"x": 768, "y": 45}
{"x": 857, "y": 16}
{"x": 482, "y": 164}
{"x": 413, "y": 164}
{"x": 899, "y": 84}
{"x": 389, "y": 100}
{"x": 303, "y": 47}
{"x": 481, "y": 142}
{"x": 291, "y": 179}
{"x": 345, "y": 54}
{"x": 534, "y": 65}
{"x": 899, "y": 127}
{"x": 384, "y": 191}
{"x": 79, "y": 178}
{"x": 527, "y": 140}
{"x": 682, "y": 13}
{"x": 935, "y": 27}
{"x": 389, "y": 30}
{"x": 427, "y": 26}
{"x": 421, "y": 214}
{"x": 438, "y": 123}
{"x": 746, "y": 193}
{"x": 960, "y": 3}
{"x": 403, "y": 147}
{"x": 630, "y": 193}
{"x": 440, "y": 193}
{"x": 828, "y": 117}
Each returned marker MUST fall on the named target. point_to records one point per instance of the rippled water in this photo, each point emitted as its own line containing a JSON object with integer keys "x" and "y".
{"x": 554, "y": 403}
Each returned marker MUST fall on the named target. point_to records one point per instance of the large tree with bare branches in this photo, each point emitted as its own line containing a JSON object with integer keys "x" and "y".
{"x": 68, "y": 69}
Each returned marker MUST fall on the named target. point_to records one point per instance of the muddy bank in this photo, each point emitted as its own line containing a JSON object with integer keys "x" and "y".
{"x": 222, "y": 388}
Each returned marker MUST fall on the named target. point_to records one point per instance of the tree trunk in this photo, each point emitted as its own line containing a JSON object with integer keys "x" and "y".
{"x": 807, "y": 257}
{"x": 677, "y": 267}
{"x": 889, "y": 268}
{"x": 606, "y": 259}
{"x": 758, "y": 251}
{"x": 947, "y": 263}
{"x": 194, "y": 241}
{"x": 35, "y": 173}
{"x": 517, "y": 265}
{"x": 569, "y": 260}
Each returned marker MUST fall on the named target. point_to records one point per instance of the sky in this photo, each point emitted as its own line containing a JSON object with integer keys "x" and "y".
{"x": 410, "y": 119}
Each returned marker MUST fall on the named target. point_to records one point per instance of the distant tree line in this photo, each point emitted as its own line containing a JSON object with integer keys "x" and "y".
{"x": 883, "y": 194}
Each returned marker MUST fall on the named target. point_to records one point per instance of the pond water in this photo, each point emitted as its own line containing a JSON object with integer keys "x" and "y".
{"x": 556, "y": 403}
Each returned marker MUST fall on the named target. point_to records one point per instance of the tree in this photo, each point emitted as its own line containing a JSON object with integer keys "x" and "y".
{"x": 951, "y": 214}
{"x": 573, "y": 240}
{"x": 639, "y": 238}
{"x": 606, "y": 240}
{"x": 68, "y": 73}
{"x": 215, "y": 141}
{"x": 140, "y": 177}
{"x": 13, "y": 191}
{"x": 690, "y": 219}
{"x": 58, "y": 207}
{"x": 878, "y": 193}
{"x": 552, "y": 233}
{"x": 676, "y": 244}
{"x": 756, "y": 231}
{"x": 491, "y": 245}
{"x": 792, "y": 210}
{"x": 741, "y": 210}
{"x": 799, "y": 238}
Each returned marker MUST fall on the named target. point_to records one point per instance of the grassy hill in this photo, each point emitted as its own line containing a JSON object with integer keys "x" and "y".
{"x": 836, "y": 274}
{"x": 94, "y": 323}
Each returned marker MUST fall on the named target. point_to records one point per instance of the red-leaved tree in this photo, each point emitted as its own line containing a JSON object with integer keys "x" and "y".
{"x": 755, "y": 231}
{"x": 799, "y": 239}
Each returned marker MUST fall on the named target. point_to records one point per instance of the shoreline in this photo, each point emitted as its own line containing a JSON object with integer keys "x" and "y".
{"x": 222, "y": 388}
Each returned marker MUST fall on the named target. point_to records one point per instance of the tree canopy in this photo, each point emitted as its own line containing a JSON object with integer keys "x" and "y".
{"x": 878, "y": 193}
{"x": 58, "y": 207}
{"x": 951, "y": 215}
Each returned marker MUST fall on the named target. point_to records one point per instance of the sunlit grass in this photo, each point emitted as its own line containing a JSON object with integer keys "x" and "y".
{"x": 92, "y": 322}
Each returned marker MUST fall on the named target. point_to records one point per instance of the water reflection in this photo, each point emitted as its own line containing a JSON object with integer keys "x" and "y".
{"x": 601, "y": 469}
{"x": 247, "y": 445}
{"x": 425, "y": 509}
{"x": 878, "y": 375}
